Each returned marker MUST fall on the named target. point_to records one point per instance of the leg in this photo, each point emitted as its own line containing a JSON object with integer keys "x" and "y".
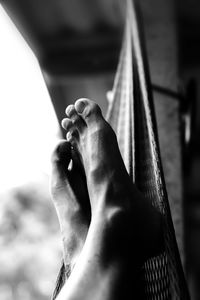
{"x": 125, "y": 230}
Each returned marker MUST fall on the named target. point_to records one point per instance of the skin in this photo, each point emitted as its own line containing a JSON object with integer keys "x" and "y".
{"x": 124, "y": 230}
{"x": 71, "y": 200}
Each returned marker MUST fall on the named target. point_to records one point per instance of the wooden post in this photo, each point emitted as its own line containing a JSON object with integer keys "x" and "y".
{"x": 161, "y": 40}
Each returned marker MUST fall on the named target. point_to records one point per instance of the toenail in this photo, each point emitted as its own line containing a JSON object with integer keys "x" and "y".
{"x": 66, "y": 123}
{"x": 69, "y": 110}
{"x": 63, "y": 123}
{"x": 80, "y": 106}
{"x": 69, "y": 136}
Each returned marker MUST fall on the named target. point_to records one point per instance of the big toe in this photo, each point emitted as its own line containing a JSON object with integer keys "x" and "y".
{"x": 88, "y": 110}
{"x": 60, "y": 160}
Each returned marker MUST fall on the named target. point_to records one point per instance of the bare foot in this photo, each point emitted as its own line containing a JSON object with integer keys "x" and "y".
{"x": 70, "y": 197}
{"x": 137, "y": 226}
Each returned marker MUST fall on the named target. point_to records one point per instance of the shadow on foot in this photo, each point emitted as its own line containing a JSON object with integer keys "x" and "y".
{"x": 71, "y": 200}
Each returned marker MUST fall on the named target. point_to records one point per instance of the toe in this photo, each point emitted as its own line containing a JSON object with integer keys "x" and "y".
{"x": 72, "y": 134}
{"x": 69, "y": 110}
{"x": 67, "y": 124}
{"x": 60, "y": 160}
{"x": 88, "y": 109}
{"x": 76, "y": 119}
{"x": 62, "y": 152}
{"x": 72, "y": 137}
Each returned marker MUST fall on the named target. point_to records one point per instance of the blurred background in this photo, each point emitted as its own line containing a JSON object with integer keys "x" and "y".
{"x": 53, "y": 52}
{"x": 30, "y": 244}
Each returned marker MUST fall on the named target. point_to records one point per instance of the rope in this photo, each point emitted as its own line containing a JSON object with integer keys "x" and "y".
{"x": 131, "y": 114}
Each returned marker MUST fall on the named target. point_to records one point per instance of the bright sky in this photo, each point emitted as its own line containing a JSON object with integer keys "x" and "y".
{"x": 28, "y": 126}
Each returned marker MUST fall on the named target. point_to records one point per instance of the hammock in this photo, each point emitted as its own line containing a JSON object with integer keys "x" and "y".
{"x": 131, "y": 114}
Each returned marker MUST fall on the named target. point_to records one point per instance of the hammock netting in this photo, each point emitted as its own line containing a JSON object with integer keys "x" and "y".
{"x": 131, "y": 114}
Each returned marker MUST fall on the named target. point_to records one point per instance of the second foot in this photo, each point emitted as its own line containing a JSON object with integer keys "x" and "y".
{"x": 71, "y": 200}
